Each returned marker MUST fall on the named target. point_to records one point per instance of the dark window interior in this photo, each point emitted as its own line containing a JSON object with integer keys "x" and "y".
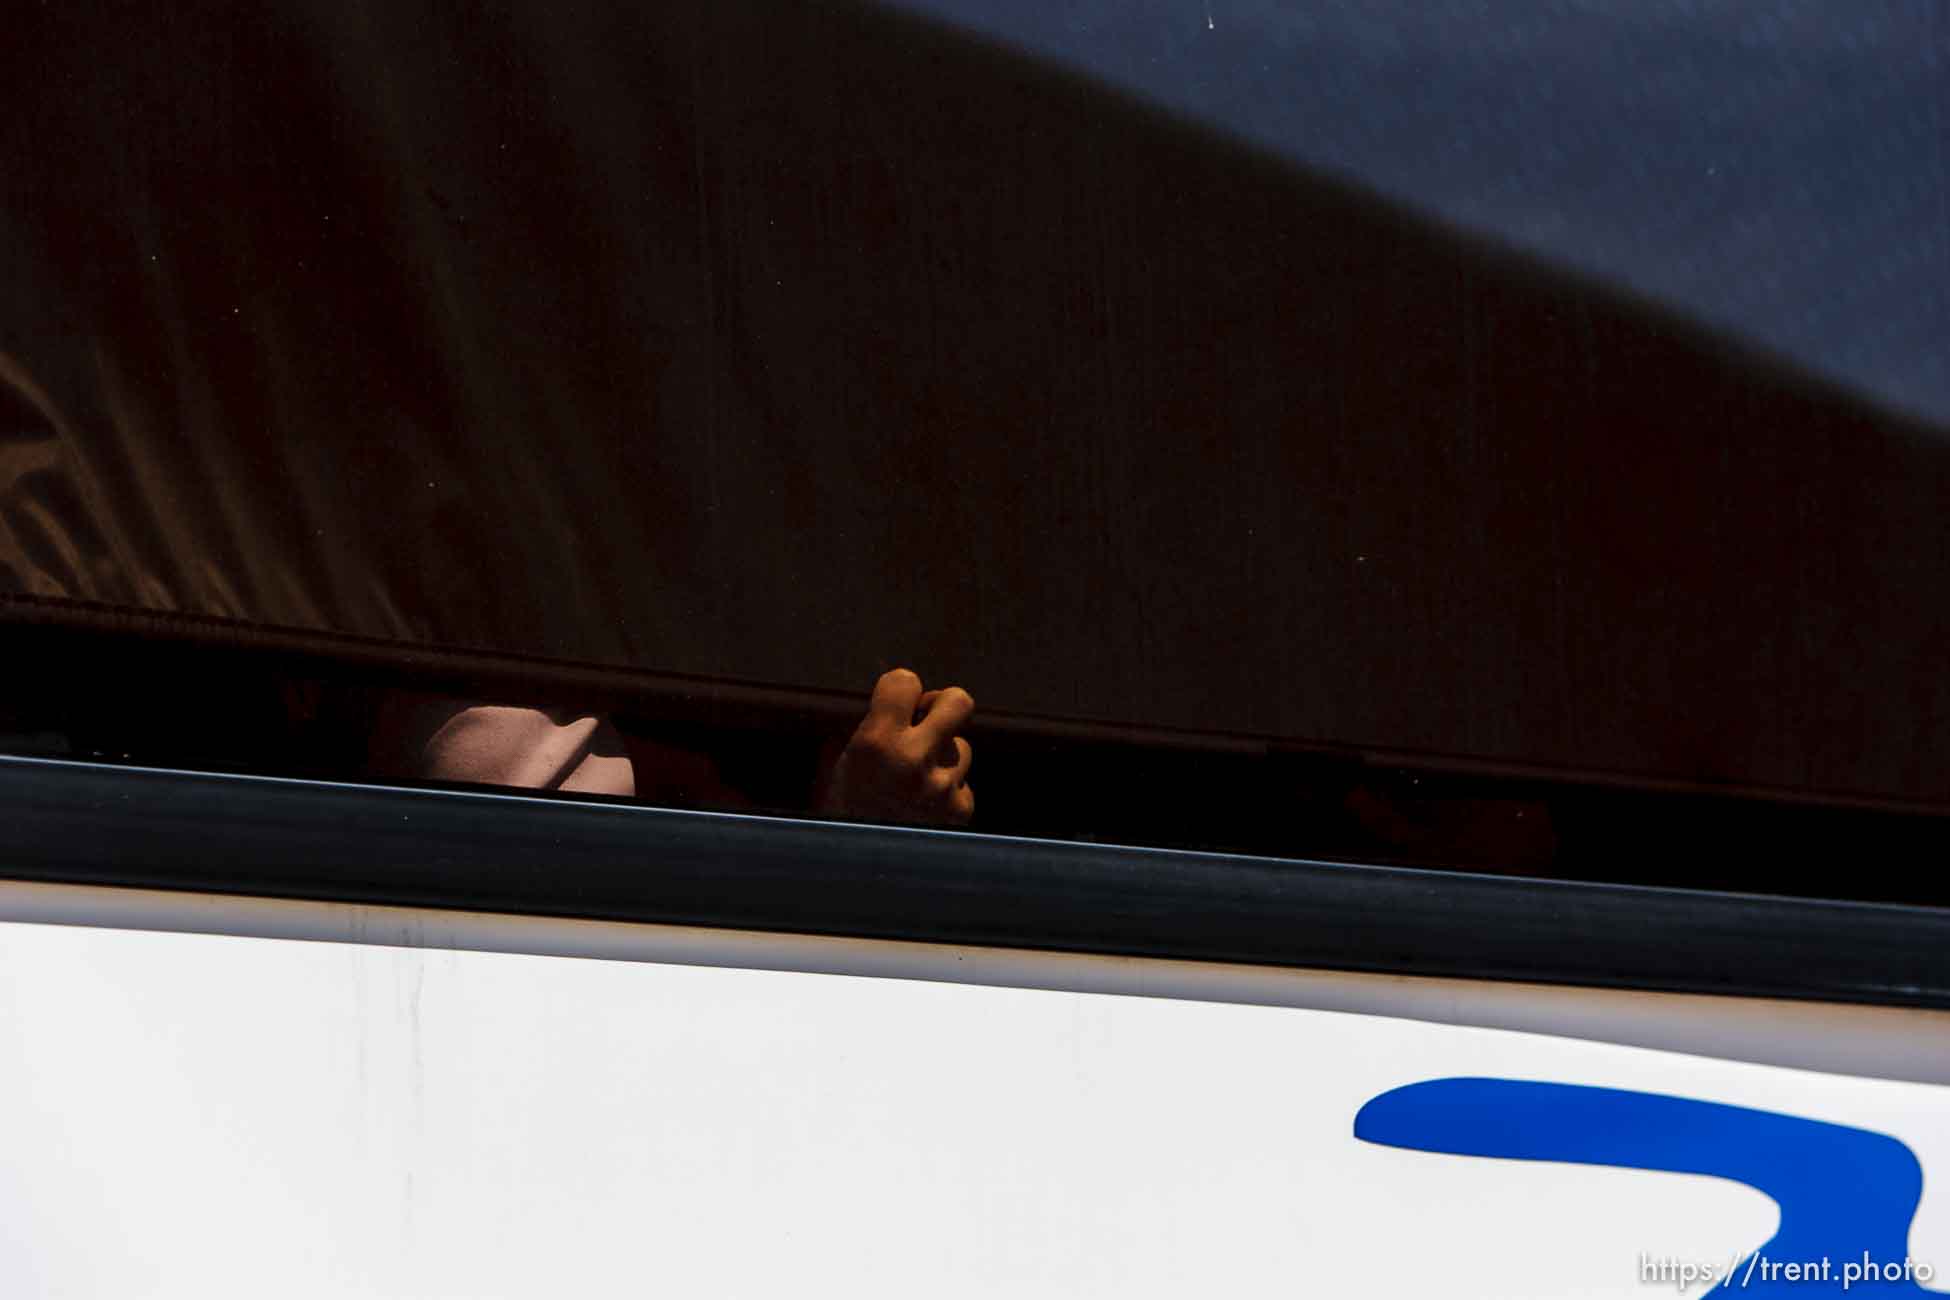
{"x": 692, "y": 365}
{"x": 114, "y": 699}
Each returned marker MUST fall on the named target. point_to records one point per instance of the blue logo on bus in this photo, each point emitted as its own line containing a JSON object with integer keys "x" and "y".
{"x": 1847, "y": 1196}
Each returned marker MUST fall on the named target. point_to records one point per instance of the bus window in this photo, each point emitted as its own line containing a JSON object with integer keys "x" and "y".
{"x": 1350, "y": 432}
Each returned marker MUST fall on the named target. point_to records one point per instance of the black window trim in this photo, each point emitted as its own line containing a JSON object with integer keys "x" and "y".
{"x": 100, "y": 824}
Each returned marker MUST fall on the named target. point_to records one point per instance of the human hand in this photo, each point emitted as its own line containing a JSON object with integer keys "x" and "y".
{"x": 905, "y": 761}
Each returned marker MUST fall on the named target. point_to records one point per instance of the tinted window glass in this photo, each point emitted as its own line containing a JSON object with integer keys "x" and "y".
{"x": 1273, "y": 470}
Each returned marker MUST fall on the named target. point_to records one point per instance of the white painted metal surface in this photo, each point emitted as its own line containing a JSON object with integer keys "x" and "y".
{"x": 410, "y": 1108}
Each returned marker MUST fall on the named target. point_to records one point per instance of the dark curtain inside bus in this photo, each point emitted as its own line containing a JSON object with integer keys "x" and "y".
{"x": 652, "y": 354}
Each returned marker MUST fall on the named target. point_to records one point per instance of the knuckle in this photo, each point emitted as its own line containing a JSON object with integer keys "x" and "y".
{"x": 877, "y": 751}
{"x": 869, "y": 735}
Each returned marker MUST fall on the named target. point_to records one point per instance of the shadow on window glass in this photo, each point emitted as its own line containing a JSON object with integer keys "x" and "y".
{"x": 709, "y": 407}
